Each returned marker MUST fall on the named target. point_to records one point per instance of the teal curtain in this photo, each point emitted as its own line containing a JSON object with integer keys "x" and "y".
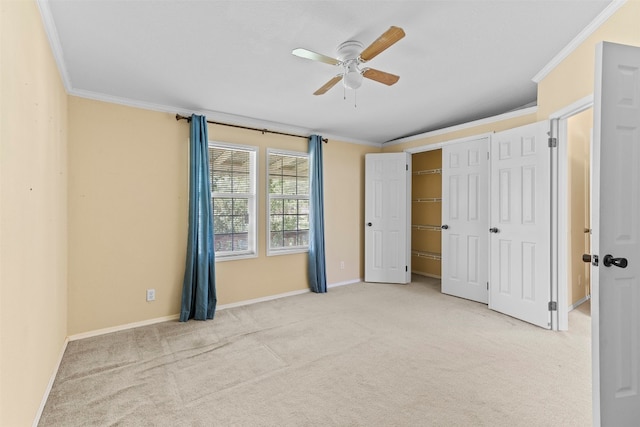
{"x": 317, "y": 268}
{"x": 199, "y": 286}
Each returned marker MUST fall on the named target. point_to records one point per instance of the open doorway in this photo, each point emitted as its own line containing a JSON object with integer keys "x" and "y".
{"x": 426, "y": 213}
{"x": 579, "y": 131}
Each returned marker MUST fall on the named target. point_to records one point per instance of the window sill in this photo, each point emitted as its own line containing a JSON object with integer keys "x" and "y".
{"x": 287, "y": 251}
{"x": 236, "y": 257}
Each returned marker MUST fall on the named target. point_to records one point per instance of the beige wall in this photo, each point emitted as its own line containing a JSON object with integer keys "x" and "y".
{"x": 128, "y": 189}
{"x": 127, "y": 213}
{"x": 578, "y": 154}
{"x": 33, "y": 213}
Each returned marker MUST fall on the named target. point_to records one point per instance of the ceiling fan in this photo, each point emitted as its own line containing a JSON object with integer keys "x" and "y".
{"x": 351, "y": 55}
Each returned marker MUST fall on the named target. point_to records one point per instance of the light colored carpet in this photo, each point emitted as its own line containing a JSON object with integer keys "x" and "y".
{"x": 361, "y": 355}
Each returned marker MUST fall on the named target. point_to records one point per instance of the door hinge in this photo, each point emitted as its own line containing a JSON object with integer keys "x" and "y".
{"x": 487, "y": 285}
{"x": 553, "y": 306}
{"x": 553, "y": 142}
{"x": 406, "y": 167}
{"x": 406, "y": 268}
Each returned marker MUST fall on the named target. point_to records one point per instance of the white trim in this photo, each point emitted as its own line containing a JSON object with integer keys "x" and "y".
{"x": 579, "y": 303}
{"x": 579, "y": 39}
{"x": 236, "y": 257}
{"x": 562, "y": 206}
{"x": 437, "y": 146}
{"x": 346, "y": 282}
{"x": 480, "y": 122}
{"x": 172, "y": 317}
{"x": 215, "y": 115}
{"x": 54, "y": 42}
{"x": 52, "y": 379}
{"x": 573, "y": 108}
{"x": 296, "y": 250}
{"x": 262, "y": 299}
{"x": 124, "y": 327}
{"x": 56, "y": 49}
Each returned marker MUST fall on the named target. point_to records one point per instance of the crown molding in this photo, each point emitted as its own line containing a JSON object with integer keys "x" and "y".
{"x": 54, "y": 42}
{"x": 480, "y": 122}
{"x": 56, "y": 49}
{"x": 215, "y": 115}
{"x": 579, "y": 39}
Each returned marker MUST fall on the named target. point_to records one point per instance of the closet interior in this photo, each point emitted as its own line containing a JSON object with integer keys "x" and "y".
{"x": 426, "y": 213}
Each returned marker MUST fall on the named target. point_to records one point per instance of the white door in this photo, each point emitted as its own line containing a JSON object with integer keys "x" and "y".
{"x": 465, "y": 219}
{"x": 520, "y": 238}
{"x": 386, "y": 236}
{"x": 616, "y": 233}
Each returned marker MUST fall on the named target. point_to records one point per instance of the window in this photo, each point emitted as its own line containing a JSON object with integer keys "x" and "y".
{"x": 232, "y": 170}
{"x": 288, "y": 202}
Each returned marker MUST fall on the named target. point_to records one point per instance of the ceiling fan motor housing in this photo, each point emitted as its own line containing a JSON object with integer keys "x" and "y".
{"x": 349, "y": 50}
{"x": 348, "y": 54}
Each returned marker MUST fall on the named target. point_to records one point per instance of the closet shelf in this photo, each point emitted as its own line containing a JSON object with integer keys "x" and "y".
{"x": 428, "y": 172}
{"x": 422, "y": 227}
{"x": 427, "y": 199}
{"x": 428, "y": 255}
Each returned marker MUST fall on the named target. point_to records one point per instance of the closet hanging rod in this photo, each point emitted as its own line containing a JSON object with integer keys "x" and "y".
{"x": 181, "y": 117}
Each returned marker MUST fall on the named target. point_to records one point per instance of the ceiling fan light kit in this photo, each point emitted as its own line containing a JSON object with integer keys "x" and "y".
{"x": 350, "y": 56}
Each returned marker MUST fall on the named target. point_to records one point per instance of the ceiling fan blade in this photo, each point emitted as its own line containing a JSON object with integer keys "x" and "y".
{"x": 391, "y": 36}
{"x": 328, "y": 85}
{"x": 380, "y": 76}
{"x": 308, "y": 54}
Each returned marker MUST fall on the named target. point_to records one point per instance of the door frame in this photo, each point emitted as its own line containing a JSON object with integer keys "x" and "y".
{"x": 560, "y": 242}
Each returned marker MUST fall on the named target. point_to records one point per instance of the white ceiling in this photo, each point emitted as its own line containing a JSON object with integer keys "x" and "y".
{"x": 231, "y": 60}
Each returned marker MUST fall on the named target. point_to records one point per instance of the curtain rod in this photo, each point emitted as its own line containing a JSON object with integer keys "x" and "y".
{"x": 181, "y": 117}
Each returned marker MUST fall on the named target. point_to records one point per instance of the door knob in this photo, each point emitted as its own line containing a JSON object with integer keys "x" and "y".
{"x": 369, "y": 224}
{"x": 494, "y": 230}
{"x": 444, "y": 227}
{"x": 609, "y": 260}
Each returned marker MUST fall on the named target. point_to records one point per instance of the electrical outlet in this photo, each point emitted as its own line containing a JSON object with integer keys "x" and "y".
{"x": 341, "y": 265}
{"x": 151, "y": 294}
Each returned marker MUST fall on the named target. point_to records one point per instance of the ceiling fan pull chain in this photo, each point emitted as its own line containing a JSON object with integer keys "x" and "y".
{"x": 355, "y": 99}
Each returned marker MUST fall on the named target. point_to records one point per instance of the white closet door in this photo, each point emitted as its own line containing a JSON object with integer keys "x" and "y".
{"x": 387, "y": 237}
{"x": 465, "y": 219}
{"x": 520, "y": 241}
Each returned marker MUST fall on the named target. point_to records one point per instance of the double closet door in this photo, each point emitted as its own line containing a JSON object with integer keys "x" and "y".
{"x": 496, "y": 222}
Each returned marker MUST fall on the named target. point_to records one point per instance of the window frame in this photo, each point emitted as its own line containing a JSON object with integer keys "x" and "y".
{"x": 282, "y": 251}
{"x": 252, "y": 202}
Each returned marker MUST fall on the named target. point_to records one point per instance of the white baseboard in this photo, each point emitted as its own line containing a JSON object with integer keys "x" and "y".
{"x": 579, "y": 303}
{"x": 47, "y": 391}
{"x": 124, "y": 327}
{"x": 262, "y": 299}
{"x": 348, "y": 282}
